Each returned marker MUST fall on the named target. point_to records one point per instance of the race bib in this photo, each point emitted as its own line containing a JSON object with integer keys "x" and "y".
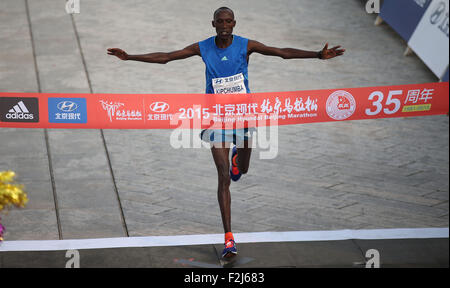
{"x": 229, "y": 85}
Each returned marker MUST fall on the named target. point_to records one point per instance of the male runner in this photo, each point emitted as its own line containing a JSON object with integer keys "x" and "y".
{"x": 227, "y": 55}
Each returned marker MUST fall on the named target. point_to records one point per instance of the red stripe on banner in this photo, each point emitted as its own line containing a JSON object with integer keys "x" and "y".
{"x": 170, "y": 111}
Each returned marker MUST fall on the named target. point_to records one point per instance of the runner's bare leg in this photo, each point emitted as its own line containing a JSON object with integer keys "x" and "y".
{"x": 243, "y": 159}
{"x": 221, "y": 159}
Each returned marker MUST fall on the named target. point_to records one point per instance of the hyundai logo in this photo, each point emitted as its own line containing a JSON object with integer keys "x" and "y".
{"x": 67, "y": 106}
{"x": 159, "y": 107}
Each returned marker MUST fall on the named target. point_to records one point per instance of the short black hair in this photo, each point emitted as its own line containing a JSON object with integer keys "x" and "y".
{"x": 223, "y": 9}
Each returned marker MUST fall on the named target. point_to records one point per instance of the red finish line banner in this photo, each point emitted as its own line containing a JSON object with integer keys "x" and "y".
{"x": 200, "y": 111}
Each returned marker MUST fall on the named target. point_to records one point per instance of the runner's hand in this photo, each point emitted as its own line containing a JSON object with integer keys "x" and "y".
{"x": 119, "y": 53}
{"x": 331, "y": 53}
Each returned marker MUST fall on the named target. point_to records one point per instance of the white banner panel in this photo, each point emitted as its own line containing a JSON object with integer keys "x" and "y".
{"x": 430, "y": 39}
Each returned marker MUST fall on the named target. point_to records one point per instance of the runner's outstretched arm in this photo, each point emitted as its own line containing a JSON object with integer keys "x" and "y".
{"x": 158, "y": 57}
{"x": 292, "y": 53}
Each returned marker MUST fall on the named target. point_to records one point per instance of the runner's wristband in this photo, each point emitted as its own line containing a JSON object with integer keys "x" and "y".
{"x": 319, "y": 54}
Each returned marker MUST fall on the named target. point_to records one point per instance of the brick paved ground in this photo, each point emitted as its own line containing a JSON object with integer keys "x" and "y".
{"x": 349, "y": 175}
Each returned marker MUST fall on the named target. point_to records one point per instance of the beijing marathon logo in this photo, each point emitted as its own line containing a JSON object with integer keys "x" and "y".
{"x": 341, "y": 105}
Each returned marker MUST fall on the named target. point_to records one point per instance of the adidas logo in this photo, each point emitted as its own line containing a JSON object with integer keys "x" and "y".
{"x": 224, "y": 58}
{"x": 19, "y": 111}
{"x": 19, "y": 108}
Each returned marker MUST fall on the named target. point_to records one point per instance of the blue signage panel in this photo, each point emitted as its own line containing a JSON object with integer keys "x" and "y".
{"x": 445, "y": 78}
{"x": 404, "y": 15}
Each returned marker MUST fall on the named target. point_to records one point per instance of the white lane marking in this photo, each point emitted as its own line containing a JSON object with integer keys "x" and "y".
{"x": 254, "y": 237}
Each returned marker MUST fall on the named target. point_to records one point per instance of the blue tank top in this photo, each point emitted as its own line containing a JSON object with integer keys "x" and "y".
{"x": 226, "y": 69}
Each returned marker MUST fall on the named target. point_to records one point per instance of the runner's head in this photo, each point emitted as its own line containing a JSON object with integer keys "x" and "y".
{"x": 224, "y": 22}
